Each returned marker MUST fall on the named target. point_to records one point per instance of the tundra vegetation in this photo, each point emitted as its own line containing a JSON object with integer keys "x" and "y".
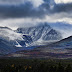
{"x": 35, "y": 65}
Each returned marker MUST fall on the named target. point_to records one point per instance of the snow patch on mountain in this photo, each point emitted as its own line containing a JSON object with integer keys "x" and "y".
{"x": 8, "y": 34}
{"x": 16, "y": 39}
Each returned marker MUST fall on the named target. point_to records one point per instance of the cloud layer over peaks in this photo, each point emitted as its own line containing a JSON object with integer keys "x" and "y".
{"x": 33, "y": 11}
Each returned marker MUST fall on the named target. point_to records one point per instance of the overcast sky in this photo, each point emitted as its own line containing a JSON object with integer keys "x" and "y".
{"x": 19, "y": 13}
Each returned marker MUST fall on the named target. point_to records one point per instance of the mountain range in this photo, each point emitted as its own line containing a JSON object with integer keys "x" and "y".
{"x": 43, "y": 38}
{"x": 58, "y": 50}
{"x": 26, "y": 37}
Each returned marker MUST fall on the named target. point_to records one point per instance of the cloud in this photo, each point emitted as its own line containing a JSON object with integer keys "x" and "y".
{"x": 18, "y": 2}
{"x": 26, "y": 22}
{"x": 25, "y": 13}
{"x": 63, "y": 1}
{"x": 36, "y": 3}
{"x": 4, "y": 2}
{"x": 16, "y": 13}
{"x": 52, "y": 6}
{"x": 14, "y": 23}
{"x": 23, "y": 10}
{"x": 63, "y": 7}
{"x": 32, "y": 8}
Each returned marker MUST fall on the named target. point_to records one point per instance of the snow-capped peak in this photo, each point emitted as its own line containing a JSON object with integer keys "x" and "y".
{"x": 42, "y": 32}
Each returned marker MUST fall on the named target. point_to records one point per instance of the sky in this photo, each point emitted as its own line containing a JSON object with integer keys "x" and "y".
{"x": 23, "y": 13}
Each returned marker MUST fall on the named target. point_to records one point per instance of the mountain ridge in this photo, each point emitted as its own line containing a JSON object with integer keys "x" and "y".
{"x": 42, "y": 31}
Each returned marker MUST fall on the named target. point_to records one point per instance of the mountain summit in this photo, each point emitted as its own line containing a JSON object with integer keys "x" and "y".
{"x": 41, "y": 32}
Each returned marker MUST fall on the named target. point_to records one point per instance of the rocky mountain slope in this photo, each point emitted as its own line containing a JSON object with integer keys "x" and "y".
{"x": 41, "y": 32}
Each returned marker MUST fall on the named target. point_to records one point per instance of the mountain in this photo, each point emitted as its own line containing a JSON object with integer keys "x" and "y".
{"x": 41, "y": 32}
{"x": 11, "y": 41}
{"x": 6, "y": 47}
{"x": 16, "y": 39}
{"x": 64, "y": 28}
{"x": 59, "y": 50}
{"x": 62, "y": 46}
{"x": 64, "y": 43}
{"x": 27, "y": 40}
